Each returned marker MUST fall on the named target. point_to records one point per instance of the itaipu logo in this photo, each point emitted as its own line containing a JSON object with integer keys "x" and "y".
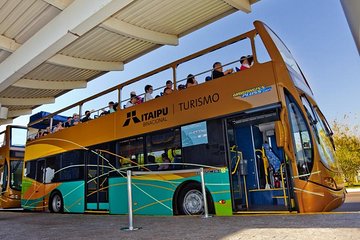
{"x": 148, "y": 118}
{"x": 252, "y": 92}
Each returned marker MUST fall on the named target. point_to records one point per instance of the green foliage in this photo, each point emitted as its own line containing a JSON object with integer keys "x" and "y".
{"x": 347, "y": 142}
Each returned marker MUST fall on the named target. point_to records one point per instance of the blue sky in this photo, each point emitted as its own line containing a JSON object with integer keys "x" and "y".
{"x": 316, "y": 32}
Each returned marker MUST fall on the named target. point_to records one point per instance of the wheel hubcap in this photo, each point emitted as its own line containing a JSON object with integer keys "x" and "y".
{"x": 56, "y": 203}
{"x": 193, "y": 202}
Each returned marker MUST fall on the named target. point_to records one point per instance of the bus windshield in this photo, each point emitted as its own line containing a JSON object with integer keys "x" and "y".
{"x": 18, "y": 137}
{"x": 16, "y": 171}
{"x": 293, "y": 67}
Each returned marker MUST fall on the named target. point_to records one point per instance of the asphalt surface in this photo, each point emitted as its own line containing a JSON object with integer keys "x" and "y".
{"x": 336, "y": 225}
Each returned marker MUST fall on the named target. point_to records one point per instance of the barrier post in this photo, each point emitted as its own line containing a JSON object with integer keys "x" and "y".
{"x": 131, "y": 225}
{"x": 204, "y": 193}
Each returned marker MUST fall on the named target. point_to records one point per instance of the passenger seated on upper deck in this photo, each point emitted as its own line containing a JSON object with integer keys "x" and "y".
{"x": 138, "y": 99}
{"x": 58, "y": 127}
{"x": 246, "y": 62}
{"x": 169, "y": 84}
{"x": 148, "y": 92}
{"x": 181, "y": 87}
{"x": 168, "y": 91}
{"x": 168, "y": 88}
{"x": 112, "y": 107}
{"x": 68, "y": 122}
{"x": 132, "y": 102}
{"x": 87, "y": 116}
{"x": 191, "y": 81}
{"x": 75, "y": 119}
{"x": 218, "y": 70}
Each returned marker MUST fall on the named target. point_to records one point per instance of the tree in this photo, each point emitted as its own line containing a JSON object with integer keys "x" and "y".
{"x": 347, "y": 142}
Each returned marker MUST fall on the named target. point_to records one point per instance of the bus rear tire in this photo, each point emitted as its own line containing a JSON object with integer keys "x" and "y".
{"x": 191, "y": 201}
{"x": 56, "y": 203}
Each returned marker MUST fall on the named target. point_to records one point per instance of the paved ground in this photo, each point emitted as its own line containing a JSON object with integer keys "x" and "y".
{"x": 340, "y": 225}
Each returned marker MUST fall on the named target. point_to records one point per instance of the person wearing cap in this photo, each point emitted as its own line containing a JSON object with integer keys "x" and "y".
{"x": 218, "y": 70}
{"x": 75, "y": 119}
{"x": 148, "y": 91}
{"x": 246, "y": 62}
{"x": 132, "y": 102}
{"x": 138, "y": 99}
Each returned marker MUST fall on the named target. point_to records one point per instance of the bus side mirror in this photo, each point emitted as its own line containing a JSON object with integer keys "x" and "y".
{"x": 279, "y": 134}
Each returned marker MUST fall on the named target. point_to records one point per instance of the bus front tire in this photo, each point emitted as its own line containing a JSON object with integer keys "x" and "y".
{"x": 56, "y": 203}
{"x": 191, "y": 201}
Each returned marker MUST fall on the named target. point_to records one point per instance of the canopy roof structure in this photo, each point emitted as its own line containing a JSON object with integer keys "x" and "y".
{"x": 49, "y": 47}
{"x": 352, "y": 13}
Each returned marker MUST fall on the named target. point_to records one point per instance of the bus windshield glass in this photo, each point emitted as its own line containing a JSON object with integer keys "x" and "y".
{"x": 16, "y": 168}
{"x": 291, "y": 64}
{"x": 18, "y": 137}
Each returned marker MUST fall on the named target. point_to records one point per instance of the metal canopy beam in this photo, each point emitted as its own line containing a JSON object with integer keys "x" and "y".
{"x": 243, "y": 5}
{"x": 26, "y": 101}
{"x": 16, "y": 113}
{"x": 60, "y": 4}
{"x": 68, "y": 61}
{"x": 53, "y": 85}
{"x": 129, "y": 30}
{"x": 74, "y": 21}
{"x": 10, "y": 45}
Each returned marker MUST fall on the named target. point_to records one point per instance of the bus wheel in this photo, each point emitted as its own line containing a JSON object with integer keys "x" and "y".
{"x": 56, "y": 204}
{"x": 191, "y": 201}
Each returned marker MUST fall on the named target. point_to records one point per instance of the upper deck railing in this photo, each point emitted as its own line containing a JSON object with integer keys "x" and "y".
{"x": 250, "y": 35}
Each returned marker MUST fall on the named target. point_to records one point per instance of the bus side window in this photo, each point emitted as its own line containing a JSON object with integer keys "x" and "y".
{"x": 4, "y": 177}
{"x": 30, "y": 169}
{"x": 40, "y": 170}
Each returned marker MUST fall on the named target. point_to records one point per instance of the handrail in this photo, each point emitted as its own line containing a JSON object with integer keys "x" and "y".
{"x": 139, "y": 173}
{"x": 266, "y": 164}
{"x": 239, "y": 158}
{"x": 283, "y": 183}
{"x": 173, "y": 65}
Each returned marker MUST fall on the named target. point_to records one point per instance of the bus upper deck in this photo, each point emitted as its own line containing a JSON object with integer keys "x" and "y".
{"x": 259, "y": 128}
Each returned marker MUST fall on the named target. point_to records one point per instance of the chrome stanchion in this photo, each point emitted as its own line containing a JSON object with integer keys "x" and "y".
{"x": 206, "y": 214}
{"x": 131, "y": 224}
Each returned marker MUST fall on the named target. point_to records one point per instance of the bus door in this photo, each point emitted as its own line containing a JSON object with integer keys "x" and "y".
{"x": 258, "y": 173}
{"x": 99, "y": 166}
{"x": 39, "y": 185}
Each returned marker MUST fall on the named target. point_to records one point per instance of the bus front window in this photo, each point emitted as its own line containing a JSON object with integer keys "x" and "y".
{"x": 322, "y": 136}
{"x": 291, "y": 64}
{"x": 18, "y": 137}
{"x": 16, "y": 168}
{"x": 301, "y": 140}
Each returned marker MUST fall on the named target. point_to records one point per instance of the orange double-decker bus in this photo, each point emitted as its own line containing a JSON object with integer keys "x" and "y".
{"x": 254, "y": 126}
{"x": 12, "y": 142}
